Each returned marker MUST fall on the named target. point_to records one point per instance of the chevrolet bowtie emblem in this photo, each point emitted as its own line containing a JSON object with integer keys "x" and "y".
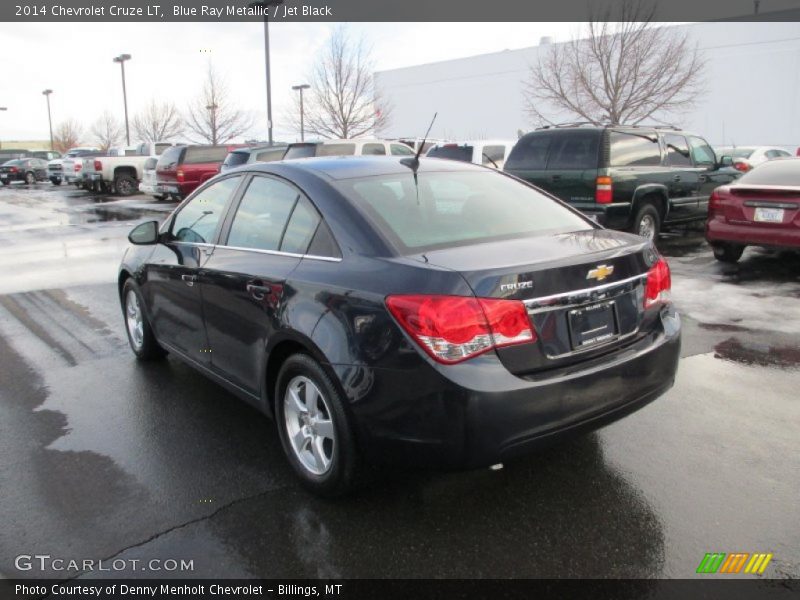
{"x": 600, "y": 272}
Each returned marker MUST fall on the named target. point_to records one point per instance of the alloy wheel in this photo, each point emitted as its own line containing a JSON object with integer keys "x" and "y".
{"x": 309, "y": 427}
{"x": 134, "y": 320}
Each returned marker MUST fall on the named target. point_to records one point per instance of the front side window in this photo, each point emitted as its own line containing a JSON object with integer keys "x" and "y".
{"x": 373, "y": 150}
{"x": 263, "y": 214}
{"x": 702, "y": 154}
{"x": 198, "y": 219}
{"x": 401, "y": 150}
{"x": 677, "y": 151}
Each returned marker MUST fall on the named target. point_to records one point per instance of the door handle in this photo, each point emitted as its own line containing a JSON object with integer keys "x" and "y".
{"x": 258, "y": 291}
{"x": 556, "y": 178}
{"x": 189, "y": 279}
{"x": 703, "y": 178}
{"x": 676, "y": 178}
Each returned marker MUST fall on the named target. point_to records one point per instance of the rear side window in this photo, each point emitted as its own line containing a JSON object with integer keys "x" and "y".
{"x": 634, "y": 149}
{"x": 776, "y": 172}
{"x": 401, "y": 150}
{"x": 234, "y": 159}
{"x": 452, "y": 152}
{"x": 574, "y": 150}
{"x": 301, "y": 151}
{"x": 492, "y": 155}
{"x": 302, "y": 225}
{"x": 204, "y": 154}
{"x": 170, "y": 157}
{"x": 197, "y": 220}
{"x": 456, "y": 208}
{"x": 530, "y": 152}
{"x": 336, "y": 150}
{"x": 373, "y": 150}
{"x": 262, "y": 214}
{"x": 677, "y": 151}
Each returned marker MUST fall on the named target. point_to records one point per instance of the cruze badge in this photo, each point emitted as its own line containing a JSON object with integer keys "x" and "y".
{"x": 600, "y": 272}
{"x": 520, "y": 285}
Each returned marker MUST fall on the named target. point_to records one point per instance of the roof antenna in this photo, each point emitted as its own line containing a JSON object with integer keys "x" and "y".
{"x": 413, "y": 163}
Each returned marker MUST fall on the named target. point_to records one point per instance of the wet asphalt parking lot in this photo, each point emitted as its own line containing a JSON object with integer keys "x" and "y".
{"x": 105, "y": 458}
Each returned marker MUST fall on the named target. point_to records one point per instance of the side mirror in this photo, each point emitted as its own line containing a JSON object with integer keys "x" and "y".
{"x": 144, "y": 234}
{"x": 726, "y": 161}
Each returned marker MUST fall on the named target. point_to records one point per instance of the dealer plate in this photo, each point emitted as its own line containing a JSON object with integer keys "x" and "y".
{"x": 592, "y": 325}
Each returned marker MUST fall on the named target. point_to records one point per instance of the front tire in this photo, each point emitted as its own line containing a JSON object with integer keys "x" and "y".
{"x": 314, "y": 428}
{"x": 647, "y": 222}
{"x": 140, "y": 334}
{"x": 728, "y": 253}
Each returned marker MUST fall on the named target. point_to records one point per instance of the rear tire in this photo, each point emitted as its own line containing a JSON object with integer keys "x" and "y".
{"x": 140, "y": 334}
{"x": 125, "y": 185}
{"x": 55, "y": 181}
{"x": 647, "y": 222}
{"x": 161, "y": 197}
{"x": 728, "y": 253}
{"x": 314, "y": 428}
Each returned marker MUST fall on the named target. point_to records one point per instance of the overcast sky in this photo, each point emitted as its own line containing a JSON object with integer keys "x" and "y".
{"x": 169, "y": 62}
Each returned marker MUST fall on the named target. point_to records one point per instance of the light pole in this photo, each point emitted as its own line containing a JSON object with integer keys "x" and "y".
{"x": 212, "y": 109}
{"x": 265, "y": 5}
{"x": 300, "y": 88}
{"x": 121, "y": 60}
{"x": 49, "y": 117}
{"x": 2, "y": 109}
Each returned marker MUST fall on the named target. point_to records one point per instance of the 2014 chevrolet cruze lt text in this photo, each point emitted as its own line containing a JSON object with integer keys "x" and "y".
{"x": 437, "y": 313}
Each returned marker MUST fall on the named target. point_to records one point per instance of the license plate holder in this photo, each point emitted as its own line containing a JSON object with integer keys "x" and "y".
{"x": 593, "y": 325}
{"x": 768, "y": 215}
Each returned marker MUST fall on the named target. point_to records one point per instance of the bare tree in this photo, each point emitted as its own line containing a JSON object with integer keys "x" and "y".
{"x": 66, "y": 135}
{"x": 343, "y": 101}
{"x": 106, "y": 131}
{"x": 624, "y": 72}
{"x": 213, "y": 117}
{"x": 158, "y": 122}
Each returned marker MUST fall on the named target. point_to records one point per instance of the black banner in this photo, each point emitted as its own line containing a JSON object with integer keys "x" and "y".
{"x": 405, "y": 589}
{"x": 382, "y": 10}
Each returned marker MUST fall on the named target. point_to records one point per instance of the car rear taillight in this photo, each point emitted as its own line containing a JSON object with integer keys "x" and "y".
{"x": 603, "y": 190}
{"x": 98, "y": 165}
{"x": 77, "y": 167}
{"x": 179, "y": 175}
{"x": 454, "y": 328}
{"x": 659, "y": 284}
{"x": 742, "y": 166}
{"x": 13, "y": 169}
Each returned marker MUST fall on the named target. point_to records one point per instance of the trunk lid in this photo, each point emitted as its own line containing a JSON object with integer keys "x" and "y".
{"x": 583, "y": 292}
{"x": 767, "y": 206}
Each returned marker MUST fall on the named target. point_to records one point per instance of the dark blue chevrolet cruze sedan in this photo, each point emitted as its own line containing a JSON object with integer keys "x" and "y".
{"x": 439, "y": 313}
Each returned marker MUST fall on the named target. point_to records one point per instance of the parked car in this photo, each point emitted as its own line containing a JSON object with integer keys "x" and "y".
{"x": 263, "y": 153}
{"x": 182, "y": 168}
{"x": 29, "y": 170}
{"x": 745, "y": 158}
{"x": 7, "y": 154}
{"x": 363, "y": 147}
{"x": 490, "y": 153}
{"x": 55, "y": 168}
{"x": 120, "y": 172}
{"x": 760, "y": 209}
{"x": 626, "y": 177}
{"x": 448, "y": 315}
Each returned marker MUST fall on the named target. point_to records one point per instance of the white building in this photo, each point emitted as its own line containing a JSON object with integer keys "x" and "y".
{"x": 752, "y": 97}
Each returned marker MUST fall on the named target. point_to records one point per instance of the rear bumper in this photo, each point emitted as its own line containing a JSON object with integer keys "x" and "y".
{"x": 616, "y": 215}
{"x": 756, "y": 234}
{"x": 478, "y": 413}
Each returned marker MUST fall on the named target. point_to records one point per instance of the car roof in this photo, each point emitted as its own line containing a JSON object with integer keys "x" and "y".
{"x": 353, "y": 167}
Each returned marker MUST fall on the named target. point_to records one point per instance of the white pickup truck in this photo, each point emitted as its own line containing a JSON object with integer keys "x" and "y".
{"x": 120, "y": 174}
{"x": 55, "y": 168}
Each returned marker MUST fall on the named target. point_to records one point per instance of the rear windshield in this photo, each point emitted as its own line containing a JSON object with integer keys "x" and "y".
{"x": 150, "y": 164}
{"x": 234, "y": 159}
{"x": 456, "y": 209}
{"x": 736, "y": 152}
{"x": 204, "y": 154}
{"x": 171, "y": 157}
{"x": 301, "y": 151}
{"x": 462, "y": 153}
{"x": 555, "y": 150}
{"x": 12, "y": 163}
{"x": 336, "y": 150}
{"x": 774, "y": 172}
{"x": 270, "y": 155}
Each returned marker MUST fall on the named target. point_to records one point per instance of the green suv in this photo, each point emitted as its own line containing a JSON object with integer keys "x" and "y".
{"x": 626, "y": 177}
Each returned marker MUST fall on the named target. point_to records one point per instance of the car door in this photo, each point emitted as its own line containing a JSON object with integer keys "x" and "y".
{"x": 171, "y": 289}
{"x": 682, "y": 181}
{"x": 243, "y": 283}
{"x": 709, "y": 172}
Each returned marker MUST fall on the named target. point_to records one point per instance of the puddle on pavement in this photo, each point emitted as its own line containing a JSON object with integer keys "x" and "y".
{"x": 723, "y": 327}
{"x": 751, "y": 353}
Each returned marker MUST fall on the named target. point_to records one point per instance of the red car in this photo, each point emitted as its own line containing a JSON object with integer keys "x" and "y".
{"x": 181, "y": 169}
{"x": 762, "y": 208}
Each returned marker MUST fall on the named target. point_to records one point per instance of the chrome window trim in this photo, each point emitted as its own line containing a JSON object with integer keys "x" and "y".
{"x": 281, "y": 253}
